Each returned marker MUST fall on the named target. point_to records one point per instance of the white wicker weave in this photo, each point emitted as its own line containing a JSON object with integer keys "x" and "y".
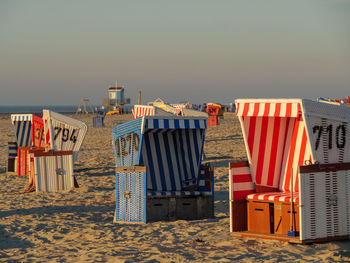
{"x": 324, "y": 204}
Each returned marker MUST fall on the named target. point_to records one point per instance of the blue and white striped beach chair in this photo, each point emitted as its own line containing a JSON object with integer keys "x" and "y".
{"x": 170, "y": 149}
{"x": 22, "y": 124}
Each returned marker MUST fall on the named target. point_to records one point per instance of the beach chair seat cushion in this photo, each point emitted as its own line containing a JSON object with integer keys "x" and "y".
{"x": 274, "y": 197}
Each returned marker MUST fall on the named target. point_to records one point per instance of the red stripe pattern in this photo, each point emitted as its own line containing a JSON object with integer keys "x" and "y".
{"x": 22, "y": 163}
{"x": 268, "y": 109}
{"x": 299, "y": 151}
{"x": 274, "y": 197}
{"x": 142, "y": 110}
{"x": 241, "y": 183}
{"x": 37, "y": 131}
{"x": 276, "y": 142}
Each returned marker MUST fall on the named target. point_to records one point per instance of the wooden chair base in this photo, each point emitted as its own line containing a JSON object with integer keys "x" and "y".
{"x": 272, "y": 217}
{"x": 269, "y": 220}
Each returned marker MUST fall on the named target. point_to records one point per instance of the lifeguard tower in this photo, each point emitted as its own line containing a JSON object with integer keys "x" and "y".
{"x": 115, "y": 97}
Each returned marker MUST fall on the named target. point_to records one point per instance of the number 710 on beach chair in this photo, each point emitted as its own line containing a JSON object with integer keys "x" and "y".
{"x": 295, "y": 184}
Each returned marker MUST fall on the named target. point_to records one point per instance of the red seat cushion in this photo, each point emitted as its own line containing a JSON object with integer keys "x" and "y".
{"x": 274, "y": 197}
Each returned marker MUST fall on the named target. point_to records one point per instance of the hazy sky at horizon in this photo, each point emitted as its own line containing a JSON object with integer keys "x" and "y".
{"x": 56, "y": 52}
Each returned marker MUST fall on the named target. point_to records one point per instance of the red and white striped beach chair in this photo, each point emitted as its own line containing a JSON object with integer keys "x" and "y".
{"x": 281, "y": 136}
{"x": 144, "y": 110}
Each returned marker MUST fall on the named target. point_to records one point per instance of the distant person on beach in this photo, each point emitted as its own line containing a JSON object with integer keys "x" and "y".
{"x": 203, "y": 107}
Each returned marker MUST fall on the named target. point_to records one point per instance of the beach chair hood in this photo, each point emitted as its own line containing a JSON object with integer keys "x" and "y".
{"x": 282, "y": 134}
{"x": 169, "y": 146}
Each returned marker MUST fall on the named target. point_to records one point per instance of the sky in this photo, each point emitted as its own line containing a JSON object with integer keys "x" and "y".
{"x": 57, "y": 52}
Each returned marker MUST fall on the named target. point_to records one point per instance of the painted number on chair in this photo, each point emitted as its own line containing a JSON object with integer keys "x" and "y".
{"x": 38, "y": 134}
{"x": 126, "y": 144}
{"x": 65, "y": 134}
{"x": 332, "y": 135}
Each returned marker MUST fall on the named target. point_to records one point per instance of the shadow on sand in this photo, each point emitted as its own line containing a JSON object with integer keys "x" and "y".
{"x": 7, "y": 241}
{"x": 227, "y": 138}
{"x": 91, "y": 211}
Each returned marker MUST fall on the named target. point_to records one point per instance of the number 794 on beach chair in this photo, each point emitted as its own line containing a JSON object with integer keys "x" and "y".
{"x": 295, "y": 185}
{"x": 48, "y": 147}
{"x": 53, "y": 169}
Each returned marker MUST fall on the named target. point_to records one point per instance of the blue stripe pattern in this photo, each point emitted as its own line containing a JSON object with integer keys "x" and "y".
{"x": 126, "y": 128}
{"x": 23, "y": 133}
{"x": 172, "y": 158}
{"x": 170, "y": 148}
{"x": 21, "y": 117}
{"x": 12, "y": 150}
{"x": 175, "y": 123}
{"x": 122, "y": 131}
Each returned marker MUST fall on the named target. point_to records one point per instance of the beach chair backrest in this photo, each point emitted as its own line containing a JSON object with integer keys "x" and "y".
{"x": 64, "y": 133}
{"x": 22, "y": 124}
{"x": 213, "y": 110}
{"x": 38, "y": 131}
{"x": 297, "y": 151}
{"x": 173, "y": 147}
{"x": 126, "y": 142}
{"x": 275, "y": 139}
{"x": 329, "y": 131}
{"x": 144, "y": 110}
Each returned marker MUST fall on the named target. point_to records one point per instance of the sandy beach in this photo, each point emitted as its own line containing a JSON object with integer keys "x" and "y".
{"x": 77, "y": 225}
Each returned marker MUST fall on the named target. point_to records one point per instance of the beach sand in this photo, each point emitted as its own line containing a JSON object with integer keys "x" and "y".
{"x": 77, "y": 225}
